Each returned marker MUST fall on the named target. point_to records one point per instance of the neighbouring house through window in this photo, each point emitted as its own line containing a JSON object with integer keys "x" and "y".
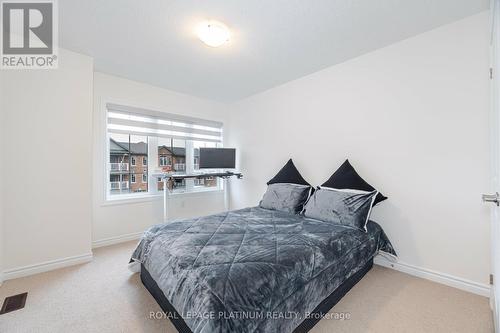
{"x": 173, "y": 141}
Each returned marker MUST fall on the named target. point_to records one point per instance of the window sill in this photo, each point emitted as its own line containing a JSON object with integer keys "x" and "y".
{"x": 133, "y": 199}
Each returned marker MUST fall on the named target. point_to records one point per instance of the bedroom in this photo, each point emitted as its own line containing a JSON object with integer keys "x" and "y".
{"x": 123, "y": 221}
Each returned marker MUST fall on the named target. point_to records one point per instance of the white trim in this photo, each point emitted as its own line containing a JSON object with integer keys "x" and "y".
{"x": 137, "y": 132}
{"x": 370, "y": 211}
{"x": 347, "y": 190}
{"x": 116, "y": 239}
{"x": 125, "y": 199}
{"x": 132, "y": 198}
{"x": 46, "y": 266}
{"x": 151, "y": 112}
{"x": 154, "y": 123}
{"x": 443, "y": 278}
{"x": 292, "y": 184}
{"x": 493, "y": 306}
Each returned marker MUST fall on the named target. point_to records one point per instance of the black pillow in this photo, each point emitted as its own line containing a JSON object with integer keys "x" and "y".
{"x": 347, "y": 178}
{"x": 288, "y": 174}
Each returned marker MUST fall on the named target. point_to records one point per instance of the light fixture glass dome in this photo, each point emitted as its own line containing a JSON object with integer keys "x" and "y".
{"x": 213, "y": 33}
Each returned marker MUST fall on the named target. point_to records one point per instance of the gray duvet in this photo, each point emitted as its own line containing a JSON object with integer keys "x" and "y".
{"x": 253, "y": 270}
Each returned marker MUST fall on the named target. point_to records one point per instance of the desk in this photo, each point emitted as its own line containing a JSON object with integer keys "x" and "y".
{"x": 169, "y": 178}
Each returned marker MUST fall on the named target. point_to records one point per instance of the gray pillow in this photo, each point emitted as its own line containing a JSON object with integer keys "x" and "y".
{"x": 285, "y": 197}
{"x": 347, "y": 207}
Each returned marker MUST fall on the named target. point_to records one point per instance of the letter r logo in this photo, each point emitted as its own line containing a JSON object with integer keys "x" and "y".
{"x": 27, "y": 27}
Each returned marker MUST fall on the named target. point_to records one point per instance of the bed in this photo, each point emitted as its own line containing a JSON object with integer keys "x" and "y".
{"x": 254, "y": 269}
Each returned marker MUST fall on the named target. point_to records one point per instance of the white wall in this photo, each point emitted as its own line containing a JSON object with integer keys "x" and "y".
{"x": 117, "y": 220}
{"x": 413, "y": 120}
{"x": 46, "y": 189}
{"x": 2, "y": 175}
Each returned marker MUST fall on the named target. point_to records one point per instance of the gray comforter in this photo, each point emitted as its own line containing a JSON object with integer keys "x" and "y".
{"x": 253, "y": 270}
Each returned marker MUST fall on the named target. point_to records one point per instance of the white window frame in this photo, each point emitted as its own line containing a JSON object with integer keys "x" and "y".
{"x": 144, "y": 176}
{"x": 145, "y": 159}
{"x": 133, "y": 179}
{"x": 152, "y": 158}
{"x": 133, "y": 161}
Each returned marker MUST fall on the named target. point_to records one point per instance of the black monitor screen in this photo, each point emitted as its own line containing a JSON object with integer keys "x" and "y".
{"x": 217, "y": 158}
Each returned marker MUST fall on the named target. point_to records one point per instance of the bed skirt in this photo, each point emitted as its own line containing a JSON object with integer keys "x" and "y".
{"x": 326, "y": 305}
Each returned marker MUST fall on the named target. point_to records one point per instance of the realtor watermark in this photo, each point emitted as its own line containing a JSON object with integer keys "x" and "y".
{"x": 29, "y": 34}
{"x": 239, "y": 315}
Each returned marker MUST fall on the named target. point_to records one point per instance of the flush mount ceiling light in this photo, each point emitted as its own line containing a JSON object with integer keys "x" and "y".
{"x": 213, "y": 33}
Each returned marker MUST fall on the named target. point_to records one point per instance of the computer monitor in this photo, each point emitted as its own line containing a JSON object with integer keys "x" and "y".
{"x": 217, "y": 158}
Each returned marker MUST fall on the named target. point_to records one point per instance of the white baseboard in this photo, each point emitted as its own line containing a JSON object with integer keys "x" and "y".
{"x": 443, "y": 278}
{"x": 494, "y": 308}
{"x": 116, "y": 240}
{"x": 46, "y": 266}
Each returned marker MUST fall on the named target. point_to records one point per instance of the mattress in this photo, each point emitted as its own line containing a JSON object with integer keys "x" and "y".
{"x": 253, "y": 270}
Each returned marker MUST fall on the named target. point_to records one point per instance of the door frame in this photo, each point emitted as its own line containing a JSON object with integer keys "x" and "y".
{"x": 495, "y": 156}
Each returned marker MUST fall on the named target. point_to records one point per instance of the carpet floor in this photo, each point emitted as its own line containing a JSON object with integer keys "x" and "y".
{"x": 104, "y": 296}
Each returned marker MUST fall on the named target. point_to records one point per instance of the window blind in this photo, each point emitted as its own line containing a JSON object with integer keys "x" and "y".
{"x": 136, "y": 121}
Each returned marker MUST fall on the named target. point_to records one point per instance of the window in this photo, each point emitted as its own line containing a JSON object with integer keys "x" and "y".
{"x": 172, "y": 154}
{"x": 207, "y": 182}
{"x": 164, "y": 160}
{"x": 134, "y": 133}
{"x": 124, "y": 149}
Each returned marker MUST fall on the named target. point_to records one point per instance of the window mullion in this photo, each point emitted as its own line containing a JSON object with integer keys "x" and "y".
{"x": 189, "y": 165}
{"x": 152, "y": 164}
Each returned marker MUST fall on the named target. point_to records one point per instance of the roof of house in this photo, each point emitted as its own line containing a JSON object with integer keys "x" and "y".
{"x": 176, "y": 151}
{"x": 141, "y": 148}
{"x": 114, "y": 147}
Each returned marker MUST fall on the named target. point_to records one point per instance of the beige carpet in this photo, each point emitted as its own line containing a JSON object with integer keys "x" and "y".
{"x": 103, "y": 296}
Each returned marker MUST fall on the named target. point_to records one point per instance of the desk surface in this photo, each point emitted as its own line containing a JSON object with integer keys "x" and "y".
{"x": 200, "y": 175}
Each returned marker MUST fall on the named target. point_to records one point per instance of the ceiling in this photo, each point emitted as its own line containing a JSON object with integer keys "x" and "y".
{"x": 273, "y": 41}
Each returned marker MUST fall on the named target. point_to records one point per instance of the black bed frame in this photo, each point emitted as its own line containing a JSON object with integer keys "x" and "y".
{"x": 322, "y": 309}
